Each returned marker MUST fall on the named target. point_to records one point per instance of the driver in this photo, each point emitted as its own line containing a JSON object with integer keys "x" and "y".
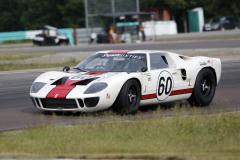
{"x": 120, "y": 66}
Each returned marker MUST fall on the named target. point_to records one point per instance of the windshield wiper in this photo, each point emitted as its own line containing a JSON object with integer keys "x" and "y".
{"x": 80, "y": 69}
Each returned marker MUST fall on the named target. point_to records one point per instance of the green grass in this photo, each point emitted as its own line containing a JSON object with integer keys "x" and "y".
{"x": 21, "y": 56}
{"x": 16, "y": 66}
{"x": 200, "y": 39}
{"x": 17, "y": 41}
{"x": 209, "y": 137}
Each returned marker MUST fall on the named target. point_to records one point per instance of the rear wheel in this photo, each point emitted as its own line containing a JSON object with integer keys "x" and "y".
{"x": 63, "y": 43}
{"x": 204, "y": 88}
{"x": 128, "y": 99}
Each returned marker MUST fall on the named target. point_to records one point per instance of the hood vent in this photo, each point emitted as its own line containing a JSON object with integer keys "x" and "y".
{"x": 84, "y": 82}
{"x": 61, "y": 81}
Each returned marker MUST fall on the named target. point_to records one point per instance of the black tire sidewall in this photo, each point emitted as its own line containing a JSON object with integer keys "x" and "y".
{"x": 122, "y": 103}
{"x": 198, "y": 97}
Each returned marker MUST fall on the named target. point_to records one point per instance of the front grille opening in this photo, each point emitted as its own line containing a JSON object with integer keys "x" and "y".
{"x": 91, "y": 102}
{"x": 37, "y": 101}
{"x": 33, "y": 101}
{"x": 59, "y": 103}
{"x": 80, "y": 102}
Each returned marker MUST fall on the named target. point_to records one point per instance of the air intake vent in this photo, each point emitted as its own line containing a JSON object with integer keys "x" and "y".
{"x": 84, "y": 82}
{"x": 61, "y": 81}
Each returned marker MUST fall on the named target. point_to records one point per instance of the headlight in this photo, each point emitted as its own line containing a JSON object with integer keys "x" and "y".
{"x": 36, "y": 87}
{"x": 96, "y": 87}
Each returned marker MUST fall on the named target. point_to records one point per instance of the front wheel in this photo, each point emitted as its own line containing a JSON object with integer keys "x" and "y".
{"x": 204, "y": 88}
{"x": 128, "y": 99}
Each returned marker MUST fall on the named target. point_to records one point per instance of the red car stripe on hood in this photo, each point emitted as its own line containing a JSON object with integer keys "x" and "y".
{"x": 119, "y": 52}
{"x": 94, "y": 73}
{"x": 60, "y": 91}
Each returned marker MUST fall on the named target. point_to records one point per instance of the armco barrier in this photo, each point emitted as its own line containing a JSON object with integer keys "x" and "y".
{"x": 12, "y": 36}
{"x": 68, "y": 32}
{"x": 21, "y": 35}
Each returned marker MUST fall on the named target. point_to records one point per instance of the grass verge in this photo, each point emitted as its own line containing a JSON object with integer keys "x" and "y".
{"x": 14, "y": 66}
{"x": 21, "y": 56}
{"x": 17, "y": 41}
{"x": 195, "y": 137}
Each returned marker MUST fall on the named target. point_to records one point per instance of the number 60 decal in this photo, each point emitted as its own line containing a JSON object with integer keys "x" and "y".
{"x": 164, "y": 85}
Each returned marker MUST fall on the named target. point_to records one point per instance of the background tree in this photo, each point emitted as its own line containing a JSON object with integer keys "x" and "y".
{"x": 10, "y": 15}
{"x": 18, "y": 15}
{"x": 73, "y": 15}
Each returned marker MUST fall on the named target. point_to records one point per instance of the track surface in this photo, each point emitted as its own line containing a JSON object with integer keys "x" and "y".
{"x": 138, "y": 46}
{"x": 17, "y": 111}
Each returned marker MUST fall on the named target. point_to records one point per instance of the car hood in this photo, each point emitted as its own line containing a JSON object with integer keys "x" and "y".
{"x": 77, "y": 78}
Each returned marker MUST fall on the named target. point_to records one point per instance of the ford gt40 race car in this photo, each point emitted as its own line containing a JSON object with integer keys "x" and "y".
{"x": 125, "y": 80}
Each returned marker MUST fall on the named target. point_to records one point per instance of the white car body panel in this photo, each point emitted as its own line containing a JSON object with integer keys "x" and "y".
{"x": 181, "y": 85}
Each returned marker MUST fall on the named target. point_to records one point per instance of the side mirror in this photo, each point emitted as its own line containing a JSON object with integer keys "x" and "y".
{"x": 144, "y": 69}
{"x": 66, "y": 69}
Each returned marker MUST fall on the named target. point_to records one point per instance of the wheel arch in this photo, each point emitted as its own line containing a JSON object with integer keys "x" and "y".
{"x": 213, "y": 70}
{"x": 138, "y": 81}
{"x": 134, "y": 78}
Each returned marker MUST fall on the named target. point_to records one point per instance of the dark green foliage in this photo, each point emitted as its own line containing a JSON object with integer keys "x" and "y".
{"x": 179, "y": 8}
{"x": 16, "y": 15}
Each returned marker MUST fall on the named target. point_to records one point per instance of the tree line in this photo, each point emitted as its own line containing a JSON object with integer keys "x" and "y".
{"x": 18, "y": 15}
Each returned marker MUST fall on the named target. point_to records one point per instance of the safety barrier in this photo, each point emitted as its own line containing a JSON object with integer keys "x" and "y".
{"x": 12, "y": 36}
{"x": 21, "y": 35}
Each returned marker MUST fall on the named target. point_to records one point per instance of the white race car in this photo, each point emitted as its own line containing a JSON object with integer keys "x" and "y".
{"x": 125, "y": 80}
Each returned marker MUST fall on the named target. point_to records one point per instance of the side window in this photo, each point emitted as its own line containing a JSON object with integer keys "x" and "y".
{"x": 158, "y": 61}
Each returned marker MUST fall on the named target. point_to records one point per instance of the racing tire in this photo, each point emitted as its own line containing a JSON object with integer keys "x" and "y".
{"x": 36, "y": 45}
{"x": 204, "y": 88}
{"x": 63, "y": 43}
{"x": 128, "y": 99}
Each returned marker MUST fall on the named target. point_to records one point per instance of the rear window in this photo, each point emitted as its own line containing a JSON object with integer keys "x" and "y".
{"x": 158, "y": 61}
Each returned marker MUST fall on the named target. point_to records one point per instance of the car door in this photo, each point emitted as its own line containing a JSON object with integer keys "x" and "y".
{"x": 161, "y": 79}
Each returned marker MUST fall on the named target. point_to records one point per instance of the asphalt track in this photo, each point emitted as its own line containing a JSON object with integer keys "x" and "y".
{"x": 175, "y": 45}
{"x": 17, "y": 111}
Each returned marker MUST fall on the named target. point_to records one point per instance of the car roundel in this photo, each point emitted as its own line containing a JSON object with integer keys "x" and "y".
{"x": 164, "y": 85}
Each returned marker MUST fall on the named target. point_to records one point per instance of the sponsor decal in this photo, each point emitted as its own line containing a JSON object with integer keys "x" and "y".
{"x": 165, "y": 85}
{"x": 124, "y": 56}
{"x": 88, "y": 75}
{"x": 56, "y": 96}
{"x": 108, "y": 96}
{"x": 202, "y": 63}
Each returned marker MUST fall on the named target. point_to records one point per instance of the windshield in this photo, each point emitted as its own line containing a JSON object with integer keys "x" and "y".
{"x": 103, "y": 62}
{"x": 214, "y": 20}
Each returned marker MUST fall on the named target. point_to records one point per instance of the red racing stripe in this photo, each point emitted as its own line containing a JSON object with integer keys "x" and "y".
{"x": 184, "y": 91}
{"x": 149, "y": 96}
{"x": 94, "y": 73}
{"x": 60, "y": 91}
{"x": 119, "y": 52}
